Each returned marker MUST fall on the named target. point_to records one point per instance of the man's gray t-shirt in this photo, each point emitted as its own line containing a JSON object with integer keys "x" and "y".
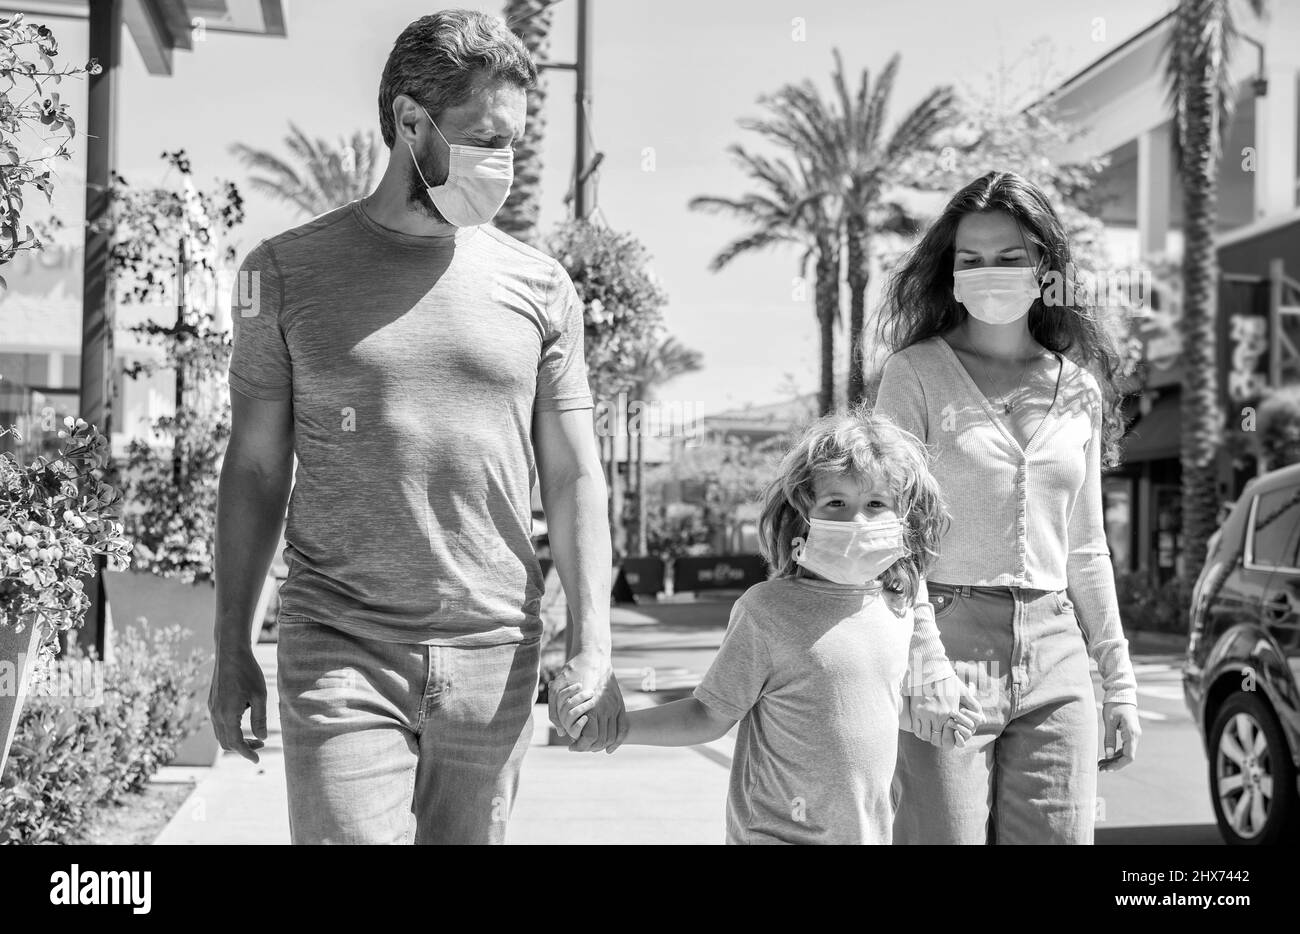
{"x": 414, "y": 365}
{"x": 814, "y": 673}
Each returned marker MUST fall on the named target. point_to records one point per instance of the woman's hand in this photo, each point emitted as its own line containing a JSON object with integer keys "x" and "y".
{"x": 1122, "y": 727}
{"x": 946, "y": 713}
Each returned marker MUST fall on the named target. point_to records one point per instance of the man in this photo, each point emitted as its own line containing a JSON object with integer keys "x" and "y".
{"x": 425, "y": 368}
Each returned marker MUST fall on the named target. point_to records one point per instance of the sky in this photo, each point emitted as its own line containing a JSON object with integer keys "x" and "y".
{"x": 671, "y": 78}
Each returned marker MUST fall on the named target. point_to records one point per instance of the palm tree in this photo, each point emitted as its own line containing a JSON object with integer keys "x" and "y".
{"x": 530, "y": 20}
{"x": 327, "y": 175}
{"x": 789, "y": 206}
{"x": 846, "y": 143}
{"x": 1202, "y": 97}
{"x": 656, "y": 365}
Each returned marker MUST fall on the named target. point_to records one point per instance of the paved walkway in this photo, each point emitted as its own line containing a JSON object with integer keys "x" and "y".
{"x": 641, "y": 794}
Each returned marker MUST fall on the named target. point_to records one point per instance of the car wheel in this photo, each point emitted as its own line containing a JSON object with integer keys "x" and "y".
{"x": 1252, "y": 776}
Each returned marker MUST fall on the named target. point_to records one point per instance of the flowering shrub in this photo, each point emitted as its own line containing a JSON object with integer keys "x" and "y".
{"x": 70, "y": 758}
{"x": 28, "y": 110}
{"x": 55, "y": 516}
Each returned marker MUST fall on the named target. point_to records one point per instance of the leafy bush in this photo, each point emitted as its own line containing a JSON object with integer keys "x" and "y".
{"x": 1150, "y": 607}
{"x": 1278, "y": 438}
{"x": 170, "y": 476}
{"x": 29, "y": 111}
{"x": 55, "y": 517}
{"x": 70, "y": 757}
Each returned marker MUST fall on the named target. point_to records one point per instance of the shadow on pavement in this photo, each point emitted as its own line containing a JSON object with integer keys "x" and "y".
{"x": 1184, "y": 834}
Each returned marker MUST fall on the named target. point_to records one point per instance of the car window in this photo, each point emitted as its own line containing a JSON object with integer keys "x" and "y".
{"x": 1277, "y": 514}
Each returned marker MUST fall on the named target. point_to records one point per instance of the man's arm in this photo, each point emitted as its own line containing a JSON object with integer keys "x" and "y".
{"x": 256, "y": 475}
{"x": 575, "y": 499}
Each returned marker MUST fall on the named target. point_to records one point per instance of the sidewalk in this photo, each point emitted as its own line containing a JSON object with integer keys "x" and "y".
{"x": 639, "y": 795}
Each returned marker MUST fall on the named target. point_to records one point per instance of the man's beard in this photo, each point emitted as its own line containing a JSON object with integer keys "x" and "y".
{"x": 418, "y": 196}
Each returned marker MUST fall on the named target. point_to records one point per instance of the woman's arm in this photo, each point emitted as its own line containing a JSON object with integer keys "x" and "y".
{"x": 1091, "y": 583}
{"x": 927, "y": 660}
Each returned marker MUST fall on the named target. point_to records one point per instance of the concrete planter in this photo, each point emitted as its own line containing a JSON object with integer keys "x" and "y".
{"x": 17, "y": 656}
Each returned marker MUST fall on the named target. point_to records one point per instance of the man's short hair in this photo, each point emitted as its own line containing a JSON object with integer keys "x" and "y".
{"x": 437, "y": 58}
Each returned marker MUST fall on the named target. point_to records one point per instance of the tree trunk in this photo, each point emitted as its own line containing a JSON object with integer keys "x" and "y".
{"x": 615, "y": 476}
{"x": 1201, "y": 419}
{"x": 531, "y": 21}
{"x": 641, "y": 514}
{"x": 827, "y": 301}
{"x": 859, "y": 275}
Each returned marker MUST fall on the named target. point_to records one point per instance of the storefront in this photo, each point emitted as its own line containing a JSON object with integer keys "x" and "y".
{"x": 1258, "y": 335}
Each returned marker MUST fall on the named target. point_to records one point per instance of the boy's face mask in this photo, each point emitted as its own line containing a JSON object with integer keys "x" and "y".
{"x": 852, "y": 552}
{"x": 478, "y": 181}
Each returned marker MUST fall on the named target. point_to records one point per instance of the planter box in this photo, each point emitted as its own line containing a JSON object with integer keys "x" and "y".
{"x": 138, "y": 599}
{"x": 16, "y": 658}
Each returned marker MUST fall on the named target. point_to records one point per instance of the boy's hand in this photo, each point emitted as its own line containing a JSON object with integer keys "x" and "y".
{"x": 574, "y": 704}
{"x": 946, "y": 714}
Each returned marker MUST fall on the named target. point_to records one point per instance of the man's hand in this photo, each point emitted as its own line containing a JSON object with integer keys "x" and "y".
{"x": 946, "y": 713}
{"x": 606, "y": 720}
{"x": 1122, "y": 732}
{"x": 237, "y": 684}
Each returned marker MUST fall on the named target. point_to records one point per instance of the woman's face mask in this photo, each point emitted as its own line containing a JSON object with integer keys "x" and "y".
{"x": 996, "y": 295}
{"x": 852, "y": 552}
{"x": 478, "y": 181}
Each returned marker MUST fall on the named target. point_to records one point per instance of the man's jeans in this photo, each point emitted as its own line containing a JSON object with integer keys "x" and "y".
{"x": 1029, "y": 774}
{"x": 387, "y": 742}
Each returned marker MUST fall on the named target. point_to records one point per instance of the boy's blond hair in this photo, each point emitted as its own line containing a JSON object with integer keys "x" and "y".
{"x": 865, "y": 444}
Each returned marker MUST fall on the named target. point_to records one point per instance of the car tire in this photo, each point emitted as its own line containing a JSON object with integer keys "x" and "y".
{"x": 1237, "y": 773}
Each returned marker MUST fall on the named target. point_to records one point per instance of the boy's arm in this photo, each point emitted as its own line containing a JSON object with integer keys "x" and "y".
{"x": 685, "y": 722}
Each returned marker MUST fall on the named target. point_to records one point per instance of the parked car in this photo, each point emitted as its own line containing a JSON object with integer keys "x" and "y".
{"x": 1243, "y": 662}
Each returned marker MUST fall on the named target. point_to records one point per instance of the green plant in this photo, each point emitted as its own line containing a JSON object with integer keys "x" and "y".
{"x": 1150, "y": 607}
{"x": 70, "y": 756}
{"x": 622, "y": 304}
{"x": 171, "y": 489}
{"x": 33, "y": 114}
{"x": 1279, "y": 427}
{"x": 676, "y": 529}
{"x": 55, "y": 517}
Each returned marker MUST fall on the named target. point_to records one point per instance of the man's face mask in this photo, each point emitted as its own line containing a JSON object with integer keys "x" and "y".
{"x": 478, "y": 181}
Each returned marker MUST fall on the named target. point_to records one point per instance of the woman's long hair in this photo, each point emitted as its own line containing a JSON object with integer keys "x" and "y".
{"x": 865, "y": 445}
{"x": 919, "y": 303}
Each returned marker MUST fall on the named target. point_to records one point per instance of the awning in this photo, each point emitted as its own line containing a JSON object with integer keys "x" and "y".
{"x": 1155, "y": 435}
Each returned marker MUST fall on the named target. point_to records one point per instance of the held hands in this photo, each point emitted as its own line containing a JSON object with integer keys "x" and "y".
{"x": 602, "y": 722}
{"x": 945, "y": 714}
{"x": 575, "y": 706}
{"x": 1121, "y": 736}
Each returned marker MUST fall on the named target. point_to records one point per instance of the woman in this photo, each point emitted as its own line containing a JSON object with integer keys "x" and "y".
{"x": 1015, "y": 395}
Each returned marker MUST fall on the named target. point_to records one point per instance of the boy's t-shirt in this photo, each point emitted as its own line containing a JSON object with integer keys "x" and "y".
{"x": 414, "y": 366}
{"x": 814, "y": 673}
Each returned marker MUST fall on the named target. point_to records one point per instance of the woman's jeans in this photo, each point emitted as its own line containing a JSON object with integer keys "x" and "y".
{"x": 387, "y": 742}
{"x": 1029, "y": 774}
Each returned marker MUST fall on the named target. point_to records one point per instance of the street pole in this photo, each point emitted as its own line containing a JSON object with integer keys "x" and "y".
{"x": 95, "y": 386}
{"x": 583, "y": 98}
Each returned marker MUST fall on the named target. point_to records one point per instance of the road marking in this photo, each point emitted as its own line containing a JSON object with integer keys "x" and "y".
{"x": 1161, "y": 691}
{"x": 1156, "y": 667}
{"x": 1150, "y": 715}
